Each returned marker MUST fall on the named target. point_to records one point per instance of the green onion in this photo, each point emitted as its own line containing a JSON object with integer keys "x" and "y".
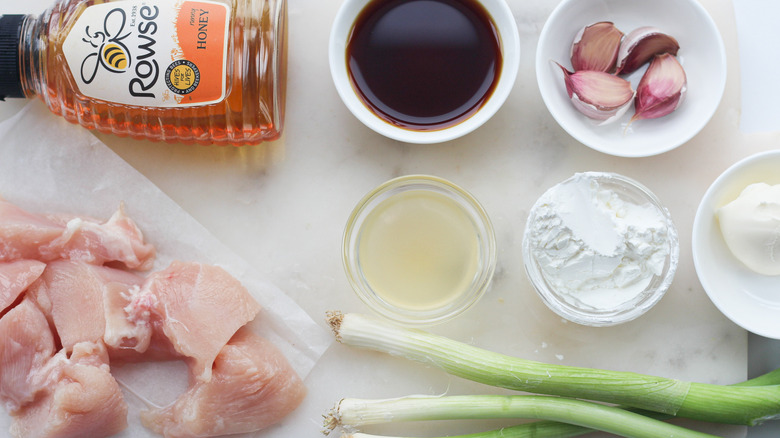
{"x": 555, "y": 429}
{"x": 747, "y": 405}
{"x": 533, "y": 429}
{"x": 357, "y": 412}
{"x": 768, "y": 379}
{"x": 536, "y": 429}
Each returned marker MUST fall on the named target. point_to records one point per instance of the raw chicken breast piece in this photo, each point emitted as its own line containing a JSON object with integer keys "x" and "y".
{"x": 22, "y": 233}
{"x": 117, "y": 240}
{"x": 25, "y": 235}
{"x": 201, "y": 307}
{"x": 134, "y": 332}
{"x": 71, "y": 294}
{"x": 15, "y": 278}
{"x": 252, "y": 387}
{"x": 26, "y": 345}
{"x": 120, "y": 331}
{"x": 81, "y": 399}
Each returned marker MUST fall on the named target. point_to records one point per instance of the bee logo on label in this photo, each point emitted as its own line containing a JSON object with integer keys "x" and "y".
{"x": 115, "y": 57}
{"x": 109, "y": 52}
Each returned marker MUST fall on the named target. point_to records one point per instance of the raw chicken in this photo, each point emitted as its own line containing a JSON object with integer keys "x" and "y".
{"x": 68, "y": 283}
{"x": 81, "y": 399}
{"x": 15, "y": 277}
{"x": 26, "y": 345}
{"x": 22, "y": 233}
{"x": 71, "y": 294}
{"x": 120, "y": 332}
{"x": 252, "y": 387}
{"x": 117, "y": 240}
{"x": 134, "y": 332}
{"x": 201, "y": 307}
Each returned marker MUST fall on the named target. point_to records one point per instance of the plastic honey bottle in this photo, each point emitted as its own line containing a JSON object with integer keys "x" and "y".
{"x": 193, "y": 71}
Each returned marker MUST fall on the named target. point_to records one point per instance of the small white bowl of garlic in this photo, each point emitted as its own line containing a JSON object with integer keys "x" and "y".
{"x": 639, "y": 114}
{"x": 736, "y": 243}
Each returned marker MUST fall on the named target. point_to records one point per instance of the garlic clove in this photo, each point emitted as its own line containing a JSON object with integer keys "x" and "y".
{"x": 598, "y": 95}
{"x": 595, "y": 47}
{"x": 662, "y": 88}
{"x": 640, "y": 45}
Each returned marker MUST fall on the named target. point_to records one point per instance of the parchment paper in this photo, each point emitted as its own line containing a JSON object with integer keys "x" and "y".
{"x": 757, "y": 32}
{"x": 50, "y": 165}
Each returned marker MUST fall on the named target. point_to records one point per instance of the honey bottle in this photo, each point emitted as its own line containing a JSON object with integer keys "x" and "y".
{"x": 192, "y": 71}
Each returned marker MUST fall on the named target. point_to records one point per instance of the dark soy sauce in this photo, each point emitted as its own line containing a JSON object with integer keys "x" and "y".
{"x": 424, "y": 64}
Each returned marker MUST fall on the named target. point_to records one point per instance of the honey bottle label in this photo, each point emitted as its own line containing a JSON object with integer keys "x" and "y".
{"x": 155, "y": 53}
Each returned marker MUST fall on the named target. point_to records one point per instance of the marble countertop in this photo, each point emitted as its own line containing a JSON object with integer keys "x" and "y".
{"x": 282, "y": 207}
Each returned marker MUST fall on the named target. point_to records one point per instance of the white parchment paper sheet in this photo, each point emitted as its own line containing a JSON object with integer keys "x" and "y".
{"x": 757, "y": 32}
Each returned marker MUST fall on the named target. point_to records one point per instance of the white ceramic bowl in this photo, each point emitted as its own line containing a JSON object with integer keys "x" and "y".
{"x": 701, "y": 54}
{"x": 749, "y": 299}
{"x": 510, "y": 50}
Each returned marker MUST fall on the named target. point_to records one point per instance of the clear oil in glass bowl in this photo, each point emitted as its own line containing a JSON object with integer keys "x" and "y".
{"x": 419, "y": 250}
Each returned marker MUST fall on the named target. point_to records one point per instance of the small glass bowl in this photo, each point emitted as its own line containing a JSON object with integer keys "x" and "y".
{"x": 467, "y": 204}
{"x": 628, "y": 190}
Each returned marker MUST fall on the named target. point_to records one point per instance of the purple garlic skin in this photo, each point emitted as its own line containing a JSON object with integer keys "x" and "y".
{"x": 639, "y": 47}
{"x": 596, "y": 47}
{"x": 661, "y": 90}
{"x": 598, "y": 95}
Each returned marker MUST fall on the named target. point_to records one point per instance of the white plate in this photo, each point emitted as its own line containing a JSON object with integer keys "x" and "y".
{"x": 749, "y": 299}
{"x": 701, "y": 54}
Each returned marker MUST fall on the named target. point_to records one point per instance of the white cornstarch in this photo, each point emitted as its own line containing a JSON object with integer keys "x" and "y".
{"x": 594, "y": 248}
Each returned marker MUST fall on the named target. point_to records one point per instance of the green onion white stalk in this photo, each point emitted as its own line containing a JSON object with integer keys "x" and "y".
{"x": 358, "y": 412}
{"x": 537, "y": 429}
{"x": 507, "y": 432}
{"x": 747, "y": 405}
{"x": 532, "y": 429}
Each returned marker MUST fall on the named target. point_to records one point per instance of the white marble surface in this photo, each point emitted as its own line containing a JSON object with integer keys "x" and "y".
{"x": 282, "y": 207}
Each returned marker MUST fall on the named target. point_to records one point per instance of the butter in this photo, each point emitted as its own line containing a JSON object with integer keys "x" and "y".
{"x": 750, "y": 226}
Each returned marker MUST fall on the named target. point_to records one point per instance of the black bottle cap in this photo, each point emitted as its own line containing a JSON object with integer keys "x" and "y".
{"x": 10, "y": 76}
